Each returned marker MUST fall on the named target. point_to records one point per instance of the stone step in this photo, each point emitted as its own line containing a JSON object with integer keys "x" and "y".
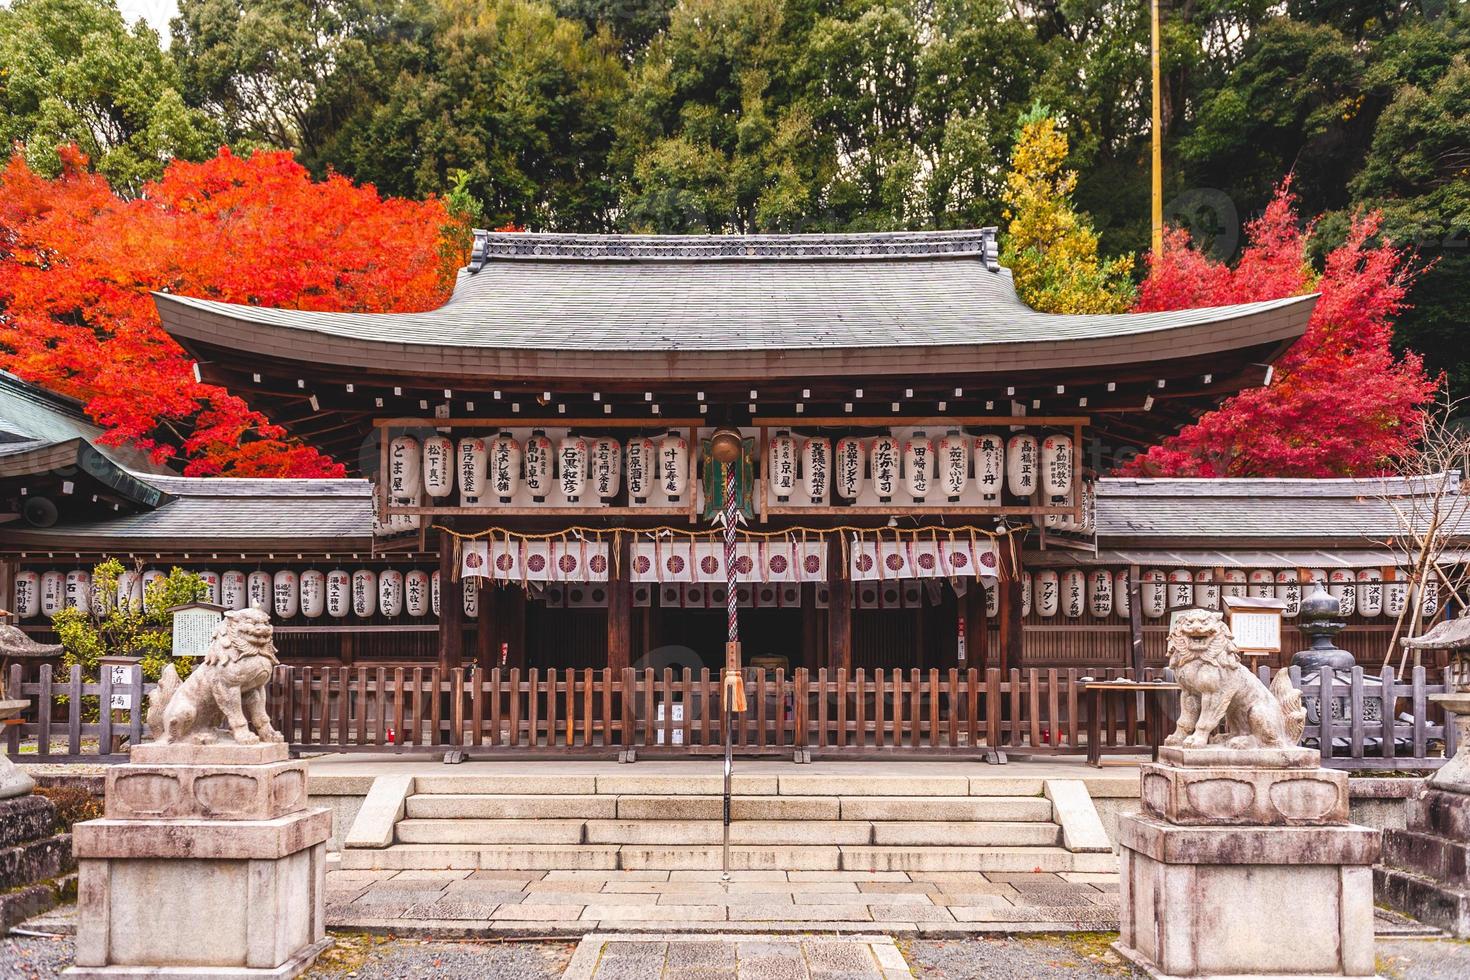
{"x": 1429, "y": 901}
{"x": 985, "y": 809}
{"x": 956, "y": 833}
{"x": 755, "y": 857}
{"x": 1429, "y": 855}
{"x": 1437, "y": 811}
{"x": 510, "y": 806}
{"x": 472, "y": 831}
{"x": 687, "y": 833}
{"x": 711, "y": 784}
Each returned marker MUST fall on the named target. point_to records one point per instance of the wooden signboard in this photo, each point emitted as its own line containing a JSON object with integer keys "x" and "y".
{"x": 194, "y": 626}
{"x": 1255, "y": 623}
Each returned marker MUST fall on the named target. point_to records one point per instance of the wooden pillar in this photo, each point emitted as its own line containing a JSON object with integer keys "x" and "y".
{"x": 811, "y": 623}
{"x": 451, "y": 607}
{"x": 839, "y": 610}
{"x": 620, "y": 609}
{"x": 1135, "y": 622}
{"x": 977, "y": 626}
{"x": 1011, "y": 653}
{"x": 487, "y": 653}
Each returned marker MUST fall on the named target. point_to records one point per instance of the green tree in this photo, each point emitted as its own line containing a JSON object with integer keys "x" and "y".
{"x": 1050, "y": 248}
{"x": 71, "y": 71}
{"x": 113, "y": 628}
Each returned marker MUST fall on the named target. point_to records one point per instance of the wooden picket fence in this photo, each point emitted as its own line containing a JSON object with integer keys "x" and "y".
{"x": 667, "y": 712}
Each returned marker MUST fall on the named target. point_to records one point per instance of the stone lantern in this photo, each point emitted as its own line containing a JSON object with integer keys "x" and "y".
{"x": 1321, "y": 619}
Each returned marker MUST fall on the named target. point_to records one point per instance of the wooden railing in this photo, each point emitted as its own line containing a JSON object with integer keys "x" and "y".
{"x": 932, "y": 713}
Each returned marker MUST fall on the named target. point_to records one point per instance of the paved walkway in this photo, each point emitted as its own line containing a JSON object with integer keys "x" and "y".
{"x": 725, "y": 957}
{"x": 555, "y": 903}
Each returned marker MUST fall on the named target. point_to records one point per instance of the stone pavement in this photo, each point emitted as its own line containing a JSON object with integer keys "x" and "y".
{"x": 736, "y": 957}
{"x": 558, "y": 903}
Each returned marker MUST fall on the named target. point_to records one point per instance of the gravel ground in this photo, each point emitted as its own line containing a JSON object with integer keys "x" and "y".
{"x": 1078, "y": 956}
{"x": 1424, "y": 959}
{"x": 375, "y": 958}
{"x": 33, "y": 958}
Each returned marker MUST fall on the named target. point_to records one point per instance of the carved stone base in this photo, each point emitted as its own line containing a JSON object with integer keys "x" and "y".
{"x": 1292, "y": 902}
{"x": 229, "y": 792}
{"x": 1214, "y": 795}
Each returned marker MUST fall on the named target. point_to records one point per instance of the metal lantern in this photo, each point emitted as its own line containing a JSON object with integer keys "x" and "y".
{"x": 673, "y": 466}
{"x": 404, "y": 474}
{"x": 1181, "y": 588}
{"x": 364, "y": 592}
{"x": 884, "y": 466}
{"x": 538, "y": 466}
{"x": 990, "y": 464}
{"x": 572, "y": 467}
{"x": 1370, "y": 592}
{"x": 849, "y": 459}
{"x": 1206, "y": 592}
{"x": 438, "y": 466}
{"x": 27, "y": 595}
{"x": 1100, "y": 592}
{"x": 1047, "y": 588}
{"x": 816, "y": 468}
{"x": 1057, "y": 464}
{"x": 79, "y": 590}
{"x": 474, "y": 469}
{"x": 1153, "y": 593}
{"x": 918, "y": 465}
{"x": 416, "y": 592}
{"x": 607, "y": 457}
{"x": 504, "y": 466}
{"x": 339, "y": 593}
{"x": 1074, "y": 593}
{"x": 284, "y": 587}
{"x": 1021, "y": 464}
{"x": 232, "y": 590}
{"x": 781, "y": 466}
{"x": 641, "y": 469}
{"x": 1289, "y": 590}
{"x": 953, "y": 455}
{"x": 1321, "y": 619}
{"x": 390, "y": 592}
{"x": 313, "y": 593}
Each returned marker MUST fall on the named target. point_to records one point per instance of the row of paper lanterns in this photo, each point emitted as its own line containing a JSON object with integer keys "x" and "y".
{"x": 574, "y": 466}
{"x": 311, "y": 593}
{"x": 1103, "y": 592}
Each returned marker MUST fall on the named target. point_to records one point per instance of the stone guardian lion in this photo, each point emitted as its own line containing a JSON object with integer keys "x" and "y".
{"x": 1217, "y": 687}
{"x": 227, "y": 688}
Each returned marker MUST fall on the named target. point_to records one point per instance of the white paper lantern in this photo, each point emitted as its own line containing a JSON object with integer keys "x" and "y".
{"x": 364, "y": 592}
{"x": 1074, "y": 593}
{"x": 258, "y": 587}
{"x": 232, "y": 590}
{"x": 849, "y": 460}
{"x": 27, "y": 595}
{"x": 504, "y": 466}
{"x": 1426, "y": 597}
{"x": 1370, "y": 592}
{"x": 416, "y": 592}
{"x": 1318, "y": 577}
{"x": 1122, "y": 592}
{"x": 538, "y": 466}
{"x": 339, "y": 593}
{"x": 1047, "y": 588}
{"x": 1021, "y": 464}
{"x": 1058, "y": 461}
{"x": 990, "y": 465}
{"x": 313, "y": 593}
{"x": 918, "y": 465}
{"x": 1396, "y": 595}
{"x": 130, "y": 590}
{"x": 1153, "y": 593}
{"x": 607, "y": 457}
{"x": 474, "y": 468}
{"x": 1181, "y": 588}
{"x": 1262, "y": 584}
{"x": 781, "y": 466}
{"x": 438, "y": 466}
{"x": 1342, "y": 585}
{"x": 673, "y": 466}
{"x": 884, "y": 466}
{"x": 1206, "y": 591}
{"x": 816, "y": 468}
{"x": 404, "y": 473}
{"x": 1235, "y": 585}
{"x": 79, "y": 590}
{"x": 286, "y": 590}
{"x": 641, "y": 469}
{"x": 53, "y": 594}
{"x": 1289, "y": 590}
{"x": 434, "y": 592}
{"x": 571, "y": 470}
{"x": 152, "y": 576}
{"x": 390, "y": 592}
{"x": 952, "y": 453}
{"x": 1100, "y": 592}
{"x": 471, "y": 598}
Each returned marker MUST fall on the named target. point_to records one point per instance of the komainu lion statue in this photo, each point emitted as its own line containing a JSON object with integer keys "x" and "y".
{"x": 1217, "y": 686}
{"x": 227, "y": 688}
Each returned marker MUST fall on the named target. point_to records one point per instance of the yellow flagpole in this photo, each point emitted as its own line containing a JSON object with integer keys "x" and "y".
{"x": 1158, "y": 135}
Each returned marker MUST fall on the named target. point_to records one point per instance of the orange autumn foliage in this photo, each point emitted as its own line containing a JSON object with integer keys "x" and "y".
{"x": 78, "y": 262}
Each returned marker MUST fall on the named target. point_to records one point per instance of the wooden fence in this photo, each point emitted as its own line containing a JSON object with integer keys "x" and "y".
{"x": 933, "y": 713}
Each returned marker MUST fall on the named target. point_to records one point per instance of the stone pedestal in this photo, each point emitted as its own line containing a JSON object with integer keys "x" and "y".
{"x": 1244, "y": 864}
{"x": 1426, "y": 866}
{"x": 207, "y": 863}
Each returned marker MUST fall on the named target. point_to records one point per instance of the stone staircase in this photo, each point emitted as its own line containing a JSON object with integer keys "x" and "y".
{"x": 779, "y": 822}
{"x": 1425, "y": 868}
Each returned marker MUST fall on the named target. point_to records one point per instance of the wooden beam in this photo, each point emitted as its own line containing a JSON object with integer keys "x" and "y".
{"x": 839, "y": 610}
{"x": 620, "y": 608}
{"x": 1135, "y": 622}
{"x": 451, "y": 607}
{"x": 553, "y": 422}
{"x": 878, "y": 421}
{"x": 1012, "y": 651}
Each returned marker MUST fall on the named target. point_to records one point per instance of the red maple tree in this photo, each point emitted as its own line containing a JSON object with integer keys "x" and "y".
{"x": 77, "y": 264}
{"x": 1341, "y": 403}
